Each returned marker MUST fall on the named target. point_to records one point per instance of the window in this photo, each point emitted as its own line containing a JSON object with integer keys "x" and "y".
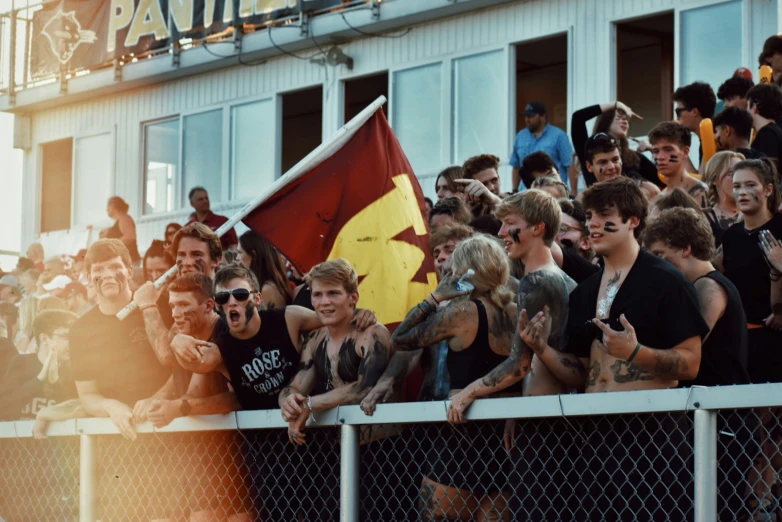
{"x": 711, "y": 43}
{"x": 202, "y": 153}
{"x": 416, "y": 115}
{"x": 93, "y": 179}
{"x": 161, "y": 165}
{"x": 252, "y": 148}
{"x": 302, "y": 125}
{"x": 479, "y": 103}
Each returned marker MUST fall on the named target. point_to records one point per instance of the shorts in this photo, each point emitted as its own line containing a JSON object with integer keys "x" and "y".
{"x": 469, "y": 456}
{"x": 636, "y": 468}
{"x": 765, "y": 355}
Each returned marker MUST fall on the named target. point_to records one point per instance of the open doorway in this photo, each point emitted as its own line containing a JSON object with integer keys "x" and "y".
{"x": 56, "y": 185}
{"x": 360, "y": 92}
{"x": 541, "y": 75}
{"x": 644, "y": 69}
{"x": 302, "y": 124}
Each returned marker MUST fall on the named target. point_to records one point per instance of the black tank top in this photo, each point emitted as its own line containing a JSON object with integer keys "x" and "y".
{"x": 475, "y": 361}
{"x": 724, "y": 354}
{"x": 262, "y": 366}
{"x": 115, "y": 233}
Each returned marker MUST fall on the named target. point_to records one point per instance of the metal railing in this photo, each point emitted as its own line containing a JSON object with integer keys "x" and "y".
{"x": 687, "y": 454}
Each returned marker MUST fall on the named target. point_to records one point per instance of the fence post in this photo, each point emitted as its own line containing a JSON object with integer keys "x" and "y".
{"x": 349, "y": 479}
{"x": 705, "y": 476}
{"x": 88, "y": 490}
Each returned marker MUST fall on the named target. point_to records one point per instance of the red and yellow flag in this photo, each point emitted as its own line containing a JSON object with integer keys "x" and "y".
{"x": 363, "y": 204}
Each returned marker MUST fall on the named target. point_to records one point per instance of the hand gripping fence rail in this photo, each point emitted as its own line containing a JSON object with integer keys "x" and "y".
{"x": 702, "y": 454}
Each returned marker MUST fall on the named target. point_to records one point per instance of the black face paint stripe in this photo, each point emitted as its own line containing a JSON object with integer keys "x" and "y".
{"x": 514, "y": 234}
{"x": 610, "y": 227}
{"x": 673, "y": 158}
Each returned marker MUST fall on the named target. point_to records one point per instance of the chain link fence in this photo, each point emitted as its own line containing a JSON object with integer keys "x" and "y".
{"x": 626, "y": 467}
{"x": 39, "y": 480}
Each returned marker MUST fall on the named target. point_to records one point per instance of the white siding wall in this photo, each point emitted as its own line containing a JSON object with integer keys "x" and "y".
{"x": 589, "y": 22}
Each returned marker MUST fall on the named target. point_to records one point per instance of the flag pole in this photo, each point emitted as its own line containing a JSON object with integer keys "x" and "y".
{"x": 317, "y": 156}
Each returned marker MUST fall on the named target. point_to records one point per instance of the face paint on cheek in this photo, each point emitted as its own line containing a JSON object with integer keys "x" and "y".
{"x": 514, "y": 234}
{"x": 200, "y": 265}
{"x": 610, "y": 227}
{"x": 179, "y": 263}
{"x": 248, "y": 311}
{"x": 673, "y": 158}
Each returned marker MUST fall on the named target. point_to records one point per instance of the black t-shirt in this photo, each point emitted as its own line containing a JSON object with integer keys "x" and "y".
{"x": 657, "y": 300}
{"x": 768, "y": 141}
{"x": 22, "y": 395}
{"x": 117, "y": 355}
{"x": 724, "y": 354}
{"x": 746, "y": 267}
{"x": 262, "y": 366}
{"x": 7, "y": 352}
{"x": 304, "y": 298}
{"x": 576, "y": 266}
{"x": 750, "y": 153}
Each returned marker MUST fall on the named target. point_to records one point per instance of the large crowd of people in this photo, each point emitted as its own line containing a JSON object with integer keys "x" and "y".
{"x": 663, "y": 272}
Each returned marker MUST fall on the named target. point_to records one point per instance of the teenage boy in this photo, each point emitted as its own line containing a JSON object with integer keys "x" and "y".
{"x": 670, "y": 148}
{"x": 604, "y": 161}
{"x": 339, "y": 364}
{"x": 683, "y": 237}
{"x": 113, "y": 363}
{"x": 733, "y": 131}
{"x": 733, "y": 92}
{"x": 765, "y": 105}
{"x": 630, "y": 343}
{"x": 694, "y": 103}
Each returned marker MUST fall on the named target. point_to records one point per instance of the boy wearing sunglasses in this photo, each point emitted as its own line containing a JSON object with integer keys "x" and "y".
{"x": 671, "y": 149}
{"x": 257, "y": 350}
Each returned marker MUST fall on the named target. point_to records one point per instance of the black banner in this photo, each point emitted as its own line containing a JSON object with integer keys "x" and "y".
{"x": 79, "y": 34}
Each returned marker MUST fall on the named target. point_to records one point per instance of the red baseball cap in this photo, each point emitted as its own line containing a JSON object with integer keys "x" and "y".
{"x": 744, "y": 73}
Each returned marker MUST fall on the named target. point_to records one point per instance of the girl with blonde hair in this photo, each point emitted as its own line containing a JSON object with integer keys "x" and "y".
{"x": 718, "y": 177}
{"x": 478, "y": 322}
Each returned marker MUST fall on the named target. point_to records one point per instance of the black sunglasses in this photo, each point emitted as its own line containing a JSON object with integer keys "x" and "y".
{"x": 240, "y": 294}
{"x": 680, "y": 110}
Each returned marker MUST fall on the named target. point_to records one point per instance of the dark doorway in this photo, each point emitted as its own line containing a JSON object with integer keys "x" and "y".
{"x": 56, "y": 185}
{"x": 541, "y": 75}
{"x": 302, "y": 124}
{"x": 360, "y": 92}
{"x": 644, "y": 69}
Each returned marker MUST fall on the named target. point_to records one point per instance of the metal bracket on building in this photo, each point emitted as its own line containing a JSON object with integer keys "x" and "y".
{"x": 238, "y": 34}
{"x": 304, "y": 24}
{"x": 176, "y": 52}
{"x": 63, "y": 80}
{"x": 375, "y": 10}
{"x": 117, "y": 70}
{"x": 12, "y": 97}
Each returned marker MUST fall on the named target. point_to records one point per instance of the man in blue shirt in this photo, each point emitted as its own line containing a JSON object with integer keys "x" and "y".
{"x": 539, "y": 135}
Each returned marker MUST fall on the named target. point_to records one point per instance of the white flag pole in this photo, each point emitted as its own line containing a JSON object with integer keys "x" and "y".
{"x": 322, "y": 152}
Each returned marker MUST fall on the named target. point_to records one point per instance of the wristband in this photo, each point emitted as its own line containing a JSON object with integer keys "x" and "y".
{"x": 426, "y": 307}
{"x": 142, "y": 308}
{"x": 635, "y": 352}
{"x": 309, "y": 407}
{"x": 434, "y": 298}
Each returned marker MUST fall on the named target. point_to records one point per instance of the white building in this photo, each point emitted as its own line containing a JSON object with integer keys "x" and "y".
{"x": 457, "y": 73}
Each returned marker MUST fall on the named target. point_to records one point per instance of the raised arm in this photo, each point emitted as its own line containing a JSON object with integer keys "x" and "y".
{"x": 374, "y": 348}
{"x": 566, "y": 367}
{"x": 678, "y": 363}
{"x": 157, "y": 334}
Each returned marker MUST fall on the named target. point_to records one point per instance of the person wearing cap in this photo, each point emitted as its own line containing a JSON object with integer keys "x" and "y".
{"x": 10, "y": 291}
{"x": 76, "y": 295}
{"x": 540, "y": 135}
{"x": 57, "y": 285}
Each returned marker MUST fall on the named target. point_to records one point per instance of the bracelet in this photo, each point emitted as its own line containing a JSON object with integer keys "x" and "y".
{"x": 426, "y": 307}
{"x": 147, "y": 307}
{"x": 635, "y": 352}
{"x": 434, "y": 298}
